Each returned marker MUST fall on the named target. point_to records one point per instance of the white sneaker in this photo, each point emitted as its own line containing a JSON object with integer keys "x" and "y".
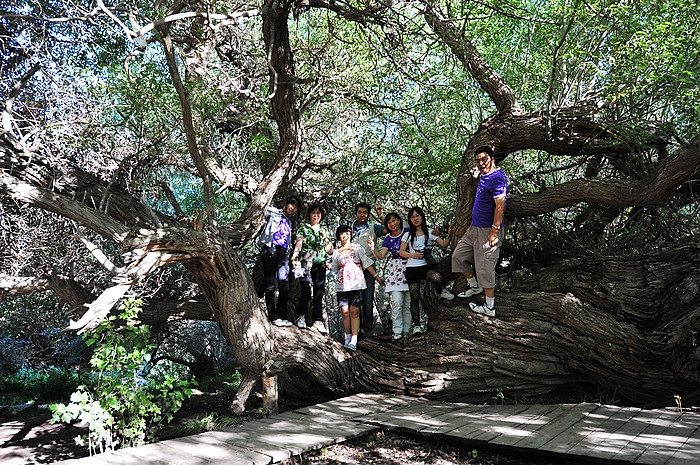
{"x": 318, "y": 326}
{"x": 417, "y": 329}
{"x": 351, "y": 346}
{"x": 470, "y": 292}
{"x": 447, "y": 295}
{"x": 483, "y": 309}
{"x": 280, "y": 322}
{"x": 301, "y": 322}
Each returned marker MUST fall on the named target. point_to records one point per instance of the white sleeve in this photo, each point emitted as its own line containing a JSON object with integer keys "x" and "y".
{"x": 334, "y": 262}
{"x": 366, "y": 261}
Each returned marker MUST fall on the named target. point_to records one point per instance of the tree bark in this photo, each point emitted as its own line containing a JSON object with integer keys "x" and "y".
{"x": 625, "y": 322}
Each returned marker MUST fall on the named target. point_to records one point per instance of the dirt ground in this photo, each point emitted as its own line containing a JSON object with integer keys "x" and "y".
{"x": 388, "y": 448}
{"x": 29, "y": 438}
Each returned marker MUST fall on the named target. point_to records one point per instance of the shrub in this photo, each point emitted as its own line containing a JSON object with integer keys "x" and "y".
{"x": 127, "y": 404}
{"x": 32, "y": 385}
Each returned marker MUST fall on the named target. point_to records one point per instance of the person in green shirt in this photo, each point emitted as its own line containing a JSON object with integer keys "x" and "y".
{"x": 311, "y": 248}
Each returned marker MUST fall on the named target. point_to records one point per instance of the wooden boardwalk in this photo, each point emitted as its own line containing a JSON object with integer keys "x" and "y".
{"x": 584, "y": 432}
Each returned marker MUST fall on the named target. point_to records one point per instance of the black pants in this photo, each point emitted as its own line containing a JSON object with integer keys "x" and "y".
{"x": 414, "y": 276}
{"x": 316, "y": 280}
{"x": 275, "y": 261}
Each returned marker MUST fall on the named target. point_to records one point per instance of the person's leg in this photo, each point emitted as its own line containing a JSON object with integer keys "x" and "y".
{"x": 354, "y": 320}
{"x": 270, "y": 264}
{"x": 463, "y": 255}
{"x": 485, "y": 263}
{"x": 414, "y": 289}
{"x": 407, "y": 318}
{"x": 345, "y": 312}
{"x": 282, "y": 284}
{"x": 355, "y": 301}
{"x": 304, "y": 298}
{"x": 464, "y": 262}
{"x": 318, "y": 278}
{"x": 435, "y": 277}
{"x": 396, "y": 298}
{"x": 343, "y": 305}
{"x": 413, "y": 280}
{"x": 367, "y": 317}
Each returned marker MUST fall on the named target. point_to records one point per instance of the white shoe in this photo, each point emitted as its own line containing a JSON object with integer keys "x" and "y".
{"x": 318, "y": 326}
{"x": 417, "y": 329}
{"x": 447, "y": 295}
{"x": 281, "y": 323}
{"x": 470, "y": 292}
{"x": 483, "y": 309}
{"x": 301, "y": 322}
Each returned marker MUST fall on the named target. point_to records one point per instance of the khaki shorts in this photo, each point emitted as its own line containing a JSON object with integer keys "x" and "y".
{"x": 473, "y": 254}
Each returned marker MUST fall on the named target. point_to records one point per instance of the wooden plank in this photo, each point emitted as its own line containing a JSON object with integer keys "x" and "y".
{"x": 627, "y": 437}
{"x": 209, "y": 449}
{"x": 600, "y": 440}
{"x": 152, "y": 454}
{"x": 500, "y": 419}
{"x": 448, "y": 421}
{"x": 479, "y": 428}
{"x": 587, "y": 431}
{"x": 361, "y": 404}
{"x": 531, "y": 430}
{"x": 525, "y": 424}
{"x": 558, "y": 421}
{"x": 281, "y": 440}
{"x": 665, "y": 437}
{"x": 581, "y": 423}
{"x": 412, "y": 418}
{"x": 689, "y": 454}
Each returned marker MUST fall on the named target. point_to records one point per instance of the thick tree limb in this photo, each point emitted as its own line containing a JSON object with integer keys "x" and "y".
{"x": 187, "y": 119}
{"x": 482, "y": 72}
{"x": 652, "y": 191}
{"x": 133, "y": 273}
{"x": 68, "y": 290}
{"x": 99, "y": 255}
{"x": 50, "y": 201}
{"x": 69, "y": 191}
{"x": 22, "y": 285}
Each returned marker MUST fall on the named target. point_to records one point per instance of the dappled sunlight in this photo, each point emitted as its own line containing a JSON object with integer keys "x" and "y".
{"x": 567, "y": 431}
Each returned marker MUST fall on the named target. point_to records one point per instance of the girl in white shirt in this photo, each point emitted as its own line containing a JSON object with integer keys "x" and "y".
{"x": 413, "y": 244}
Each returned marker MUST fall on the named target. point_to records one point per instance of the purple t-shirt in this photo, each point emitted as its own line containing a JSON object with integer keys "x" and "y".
{"x": 393, "y": 243}
{"x": 284, "y": 231}
{"x": 492, "y": 185}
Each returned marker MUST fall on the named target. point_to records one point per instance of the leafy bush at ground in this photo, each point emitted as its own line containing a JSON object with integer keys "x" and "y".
{"x": 38, "y": 386}
{"x": 129, "y": 400}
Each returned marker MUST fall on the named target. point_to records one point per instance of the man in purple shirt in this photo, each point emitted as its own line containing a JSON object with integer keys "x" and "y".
{"x": 476, "y": 253}
{"x": 274, "y": 241}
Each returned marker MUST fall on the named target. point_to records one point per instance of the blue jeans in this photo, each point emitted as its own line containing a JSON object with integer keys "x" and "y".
{"x": 367, "y": 313}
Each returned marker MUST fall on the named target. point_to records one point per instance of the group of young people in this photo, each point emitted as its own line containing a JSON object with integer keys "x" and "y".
{"x": 354, "y": 254}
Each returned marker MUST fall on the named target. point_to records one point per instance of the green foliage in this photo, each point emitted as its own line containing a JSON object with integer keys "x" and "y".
{"x": 125, "y": 405}
{"x": 38, "y": 386}
{"x": 31, "y": 338}
{"x": 226, "y": 382}
{"x": 210, "y": 422}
